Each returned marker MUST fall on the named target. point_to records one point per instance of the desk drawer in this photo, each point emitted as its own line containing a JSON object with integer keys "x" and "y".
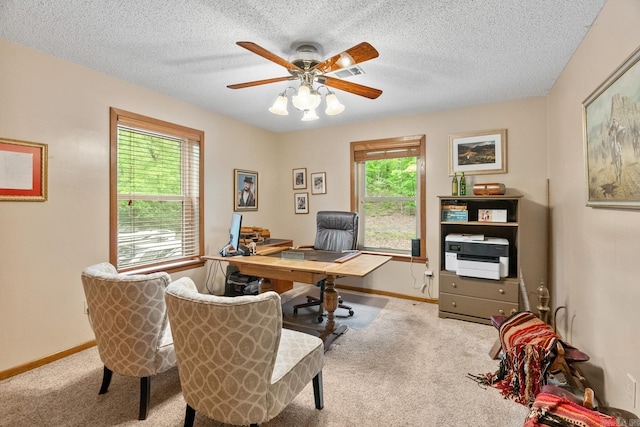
{"x": 477, "y": 307}
{"x": 501, "y": 290}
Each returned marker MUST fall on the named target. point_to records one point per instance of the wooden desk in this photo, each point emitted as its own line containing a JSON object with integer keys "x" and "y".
{"x": 304, "y": 271}
{"x": 266, "y": 247}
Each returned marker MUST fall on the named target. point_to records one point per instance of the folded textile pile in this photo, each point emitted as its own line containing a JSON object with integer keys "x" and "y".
{"x": 527, "y": 344}
{"x": 552, "y": 410}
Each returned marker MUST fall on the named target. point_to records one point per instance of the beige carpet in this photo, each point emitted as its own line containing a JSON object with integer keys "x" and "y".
{"x": 407, "y": 368}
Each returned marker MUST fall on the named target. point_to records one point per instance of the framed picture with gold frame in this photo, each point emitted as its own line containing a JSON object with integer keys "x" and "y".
{"x": 611, "y": 136}
{"x": 245, "y": 185}
{"x": 319, "y": 183}
{"x": 23, "y": 170}
{"x": 300, "y": 178}
{"x": 476, "y": 153}
{"x": 301, "y": 203}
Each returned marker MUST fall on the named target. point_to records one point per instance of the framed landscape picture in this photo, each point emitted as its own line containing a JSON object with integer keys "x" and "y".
{"x": 611, "y": 116}
{"x": 476, "y": 153}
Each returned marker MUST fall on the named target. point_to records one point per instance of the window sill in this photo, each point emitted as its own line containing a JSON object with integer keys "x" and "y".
{"x": 172, "y": 267}
{"x": 397, "y": 257}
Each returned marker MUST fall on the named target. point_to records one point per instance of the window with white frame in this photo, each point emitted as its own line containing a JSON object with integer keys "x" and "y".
{"x": 156, "y": 193}
{"x": 388, "y": 192}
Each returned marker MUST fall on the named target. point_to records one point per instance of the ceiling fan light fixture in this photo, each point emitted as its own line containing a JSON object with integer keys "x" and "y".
{"x": 306, "y": 98}
{"x": 279, "y": 107}
{"x": 309, "y": 115}
{"x": 334, "y": 106}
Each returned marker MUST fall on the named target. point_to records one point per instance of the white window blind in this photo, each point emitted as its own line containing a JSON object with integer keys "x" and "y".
{"x": 157, "y": 196}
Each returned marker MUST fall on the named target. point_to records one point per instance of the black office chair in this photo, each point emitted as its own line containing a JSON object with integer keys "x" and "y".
{"x": 336, "y": 231}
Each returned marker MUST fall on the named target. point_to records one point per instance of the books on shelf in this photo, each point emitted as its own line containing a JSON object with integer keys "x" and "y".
{"x": 460, "y": 215}
{"x": 454, "y": 207}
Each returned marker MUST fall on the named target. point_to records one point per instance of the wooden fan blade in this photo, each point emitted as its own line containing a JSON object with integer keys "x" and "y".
{"x": 355, "y": 55}
{"x": 258, "y": 50}
{"x": 260, "y": 82}
{"x": 367, "y": 92}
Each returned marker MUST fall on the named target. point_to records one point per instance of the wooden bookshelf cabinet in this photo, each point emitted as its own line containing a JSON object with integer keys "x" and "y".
{"x": 476, "y": 299}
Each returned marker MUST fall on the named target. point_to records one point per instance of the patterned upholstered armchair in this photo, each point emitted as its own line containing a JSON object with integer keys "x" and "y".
{"x": 129, "y": 318}
{"x": 236, "y": 363}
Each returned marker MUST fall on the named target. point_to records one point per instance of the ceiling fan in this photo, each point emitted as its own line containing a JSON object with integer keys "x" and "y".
{"x": 308, "y": 68}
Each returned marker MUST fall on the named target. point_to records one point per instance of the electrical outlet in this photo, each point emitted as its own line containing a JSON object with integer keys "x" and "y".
{"x": 630, "y": 391}
{"x": 86, "y": 308}
{"x": 428, "y": 273}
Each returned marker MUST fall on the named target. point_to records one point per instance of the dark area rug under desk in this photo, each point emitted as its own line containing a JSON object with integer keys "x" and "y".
{"x": 365, "y": 307}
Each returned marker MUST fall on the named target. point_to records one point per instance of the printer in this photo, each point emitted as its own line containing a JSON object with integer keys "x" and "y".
{"x": 474, "y": 255}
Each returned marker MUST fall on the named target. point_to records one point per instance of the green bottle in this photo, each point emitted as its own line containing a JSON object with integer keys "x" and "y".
{"x": 454, "y": 185}
{"x": 463, "y": 185}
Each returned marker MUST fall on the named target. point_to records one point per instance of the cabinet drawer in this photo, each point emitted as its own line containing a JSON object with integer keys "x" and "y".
{"x": 477, "y": 307}
{"x": 501, "y": 290}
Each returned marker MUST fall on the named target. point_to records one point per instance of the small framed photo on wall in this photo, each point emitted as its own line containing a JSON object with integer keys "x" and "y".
{"x": 300, "y": 179}
{"x": 301, "y": 203}
{"x": 245, "y": 186}
{"x": 319, "y": 183}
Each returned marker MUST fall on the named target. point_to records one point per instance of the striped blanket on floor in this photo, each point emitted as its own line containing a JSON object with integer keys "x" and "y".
{"x": 527, "y": 344}
{"x": 551, "y": 410}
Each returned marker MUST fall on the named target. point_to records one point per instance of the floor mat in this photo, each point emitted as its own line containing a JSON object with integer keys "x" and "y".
{"x": 365, "y": 307}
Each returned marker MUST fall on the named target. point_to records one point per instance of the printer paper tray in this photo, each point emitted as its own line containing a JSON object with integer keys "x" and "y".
{"x": 483, "y": 270}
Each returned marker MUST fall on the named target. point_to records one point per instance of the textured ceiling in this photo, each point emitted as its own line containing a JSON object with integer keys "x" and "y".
{"x": 434, "y": 54}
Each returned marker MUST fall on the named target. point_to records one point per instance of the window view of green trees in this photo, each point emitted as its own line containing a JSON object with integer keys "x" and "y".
{"x": 390, "y": 203}
{"x": 150, "y": 209}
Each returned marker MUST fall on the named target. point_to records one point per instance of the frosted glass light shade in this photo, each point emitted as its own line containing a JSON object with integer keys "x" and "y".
{"x": 309, "y": 115}
{"x": 305, "y": 99}
{"x": 333, "y": 105}
{"x": 279, "y": 107}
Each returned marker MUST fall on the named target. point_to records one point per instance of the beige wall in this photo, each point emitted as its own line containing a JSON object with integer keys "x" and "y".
{"x": 594, "y": 250}
{"x": 44, "y": 246}
{"x": 328, "y": 150}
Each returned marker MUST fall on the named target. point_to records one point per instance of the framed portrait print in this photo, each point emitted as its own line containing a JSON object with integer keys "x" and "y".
{"x": 611, "y": 136}
{"x": 301, "y": 203}
{"x": 23, "y": 171}
{"x": 300, "y": 179}
{"x": 476, "y": 153}
{"x": 319, "y": 183}
{"x": 245, "y": 190}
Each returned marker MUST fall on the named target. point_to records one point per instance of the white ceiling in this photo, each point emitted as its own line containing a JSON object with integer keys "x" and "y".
{"x": 434, "y": 54}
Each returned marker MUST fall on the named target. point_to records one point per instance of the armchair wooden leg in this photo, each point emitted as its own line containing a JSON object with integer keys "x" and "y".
{"x": 317, "y": 391}
{"x": 145, "y": 397}
{"x": 189, "y": 417}
{"x": 106, "y": 380}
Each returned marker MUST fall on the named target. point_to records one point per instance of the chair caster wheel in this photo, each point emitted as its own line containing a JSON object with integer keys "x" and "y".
{"x": 320, "y": 319}
{"x": 351, "y": 313}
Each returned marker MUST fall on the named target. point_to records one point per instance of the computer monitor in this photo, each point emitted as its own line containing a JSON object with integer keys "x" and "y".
{"x": 234, "y": 230}
{"x": 234, "y": 236}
